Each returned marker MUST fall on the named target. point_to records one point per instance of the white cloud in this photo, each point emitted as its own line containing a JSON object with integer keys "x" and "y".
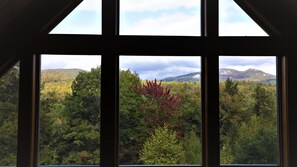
{"x": 70, "y": 61}
{"x": 241, "y": 29}
{"x": 233, "y": 21}
{"x": 167, "y": 24}
{"x": 156, "y": 5}
{"x": 268, "y": 68}
{"x": 167, "y": 72}
{"x": 241, "y": 63}
{"x": 90, "y": 5}
{"x": 160, "y": 67}
{"x": 85, "y": 19}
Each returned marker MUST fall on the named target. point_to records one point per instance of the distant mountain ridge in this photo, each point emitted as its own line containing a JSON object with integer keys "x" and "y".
{"x": 225, "y": 73}
{"x": 57, "y": 75}
{"x": 54, "y": 75}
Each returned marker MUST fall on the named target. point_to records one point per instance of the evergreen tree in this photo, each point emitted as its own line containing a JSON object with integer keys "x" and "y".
{"x": 193, "y": 149}
{"x": 162, "y": 148}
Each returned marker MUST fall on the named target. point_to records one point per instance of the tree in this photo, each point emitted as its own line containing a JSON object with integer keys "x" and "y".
{"x": 9, "y": 95}
{"x": 51, "y": 109}
{"x": 265, "y": 99}
{"x": 160, "y": 107}
{"x": 132, "y": 132}
{"x": 84, "y": 102}
{"x": 256, "y": 144}
{"x": 232, "y": 110}
{"x": 193, "y": 149}
{"x": 82, "y": 111}
{"x": 231, "y": 87}
{"x": 162, "y": 148}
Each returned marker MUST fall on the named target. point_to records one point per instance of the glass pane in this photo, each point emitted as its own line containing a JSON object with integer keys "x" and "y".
{"x": 9, "y": 101}
{"x": 160, "y": 110}
{"x": 248, "y": 110}
{"x": 70, "y": 110}
{"x": 160, "y": 17}
{"x": 84, "y": 19}
{"x": 233, "y": 21}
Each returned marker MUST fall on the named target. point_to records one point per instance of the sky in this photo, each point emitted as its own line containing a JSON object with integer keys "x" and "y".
{"x": 159, "y": 17}
{"x": 159, "y": 67}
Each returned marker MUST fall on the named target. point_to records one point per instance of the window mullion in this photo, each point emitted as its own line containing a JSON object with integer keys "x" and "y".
{"x": 282, "y": 111}
{"x": 109, "y": 110}
{"x": 211, "y": 18}
{"x": 109, "y": 86}
{"x": 110, "y": 18}
{"x": 210, "y": 103}
{"x": 27, "y": 126}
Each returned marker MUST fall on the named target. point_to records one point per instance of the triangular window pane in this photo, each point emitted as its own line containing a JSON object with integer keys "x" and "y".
{"x": 84, "y": 19}
{"x": 233, "y": 21}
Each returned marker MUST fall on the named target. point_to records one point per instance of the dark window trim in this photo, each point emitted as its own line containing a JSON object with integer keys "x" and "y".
{"x": 110, "y": 45}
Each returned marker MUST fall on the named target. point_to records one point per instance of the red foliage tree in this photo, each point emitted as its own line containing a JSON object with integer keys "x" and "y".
{"x": 160, "y": 106}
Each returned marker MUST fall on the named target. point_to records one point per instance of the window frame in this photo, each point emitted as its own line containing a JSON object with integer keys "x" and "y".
{"x": 110, "y": 46}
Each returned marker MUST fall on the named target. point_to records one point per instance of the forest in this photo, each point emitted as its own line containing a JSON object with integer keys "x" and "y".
{"x": 159, "y": 122}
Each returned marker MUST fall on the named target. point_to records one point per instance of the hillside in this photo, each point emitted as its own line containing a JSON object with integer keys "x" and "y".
{"x": 188, "y": 77}
{"x": 58, "y": 81}
{"x": 58, "y": 75}
{"x": 224, "y": 73}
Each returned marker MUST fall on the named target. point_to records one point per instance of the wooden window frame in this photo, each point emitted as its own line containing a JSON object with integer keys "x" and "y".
{"x": 110, "y": 45}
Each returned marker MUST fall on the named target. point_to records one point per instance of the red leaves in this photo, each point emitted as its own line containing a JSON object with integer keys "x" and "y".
{"x": 160, "y": 107}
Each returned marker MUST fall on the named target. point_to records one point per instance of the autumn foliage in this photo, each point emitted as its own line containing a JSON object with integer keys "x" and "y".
{"x": 160, "y": 106}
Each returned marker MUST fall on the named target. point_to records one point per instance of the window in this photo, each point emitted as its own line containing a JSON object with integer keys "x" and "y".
{"x": 117, "y": 45}
{"x": 248, "y": 110}
{"x": 233, "y": 21}
{"x": 160, "y": 17}
{"x": 85, "y": 19}
{"x": 160, "y": 110}
{"x": 69, "y": 110}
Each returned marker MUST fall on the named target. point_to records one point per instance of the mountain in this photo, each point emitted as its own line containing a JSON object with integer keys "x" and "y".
{"x": 57, "y": 75}
{"x": 224, "y": 73}
{"x": 188, "y": 77}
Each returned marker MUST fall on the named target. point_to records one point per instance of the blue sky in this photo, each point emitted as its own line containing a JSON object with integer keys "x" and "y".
{"x": 159, "y": 17}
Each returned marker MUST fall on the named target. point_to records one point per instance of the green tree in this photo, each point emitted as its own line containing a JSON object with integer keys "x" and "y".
{"x": 265, "y": 98}
{"x": 9, "y": 95}
{"x": 162, "y": 148}
{"x": 132, "y": 133}
{"x": 232, "y": 110}
{"x": 82, "y": 113}
{"x": 51, "y": 119}
{"x": 231, "y": 87}
{"x": 256, "y": 144}
{"x": 193, "y": 149}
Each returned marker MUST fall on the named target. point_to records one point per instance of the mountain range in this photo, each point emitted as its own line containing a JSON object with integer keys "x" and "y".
{"x": 56, "y": 75}
{"x": 225, "y": 73}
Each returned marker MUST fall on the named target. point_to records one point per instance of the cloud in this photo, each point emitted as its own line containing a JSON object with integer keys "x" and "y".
{"x": 160, "y": 67}
{"x": 156, "y": 5}
{"x": 70, "y": 61}
{"x": 241, "y": 63}
{"x": 241, "y": 29}
{"x": 233, "y": 21}
{"x": 177, "y": 23}
{"x": 90, "y": 5}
